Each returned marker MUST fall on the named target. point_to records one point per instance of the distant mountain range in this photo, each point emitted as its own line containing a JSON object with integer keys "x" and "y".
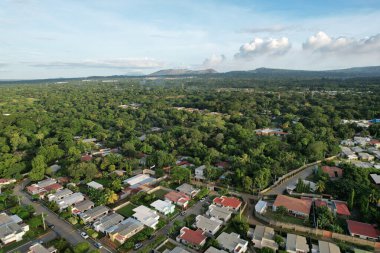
{"x": 359, "y": 72}
{"x": 182, "y": 72}
{"x": 373, "y": 71}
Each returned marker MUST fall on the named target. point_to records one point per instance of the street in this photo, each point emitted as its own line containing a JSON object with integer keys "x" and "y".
{"x": 279, "y": 189}
{"x": 62, "y": 228}
{"x": 51, "y": 235}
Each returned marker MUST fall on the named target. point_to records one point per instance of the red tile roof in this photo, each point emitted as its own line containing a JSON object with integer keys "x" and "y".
{"x": 53, "y": 187}
{"x": 222, "y": 164}
{"x": 86, "y": 158}
{"x": 32, "y": 188}
{"x": 319, "y": 203}
{"x": 293, "y": 204}
{"x": 228, "y": 202}
{"x": 177, "y": 197}
{"x": 361, "y": 228}
{"x": 331, "y": 171}
{"x": 195, "y": 237}
{"x": 341, "y": 208}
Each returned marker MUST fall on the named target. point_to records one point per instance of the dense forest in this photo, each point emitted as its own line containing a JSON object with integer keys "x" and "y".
{"x": 39, "y": 122}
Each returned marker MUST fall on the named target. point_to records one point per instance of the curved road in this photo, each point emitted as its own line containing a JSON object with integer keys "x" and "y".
{"x": 62, "y": 228}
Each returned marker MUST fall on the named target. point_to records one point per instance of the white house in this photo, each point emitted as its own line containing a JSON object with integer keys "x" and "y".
{"x": 347, "y": 153}
{"x": 199, "y": 172}
{"x": 263, "y": 237}
{"x": 95, "y": 185}
{"x": 219, "y": 212}
{"x": 232, "y": 243}
{"x": 146, "y": 216}
{"x": 296, "y": 244}
{"x": 209, "y": 225}
{"x": 261, "y": 206}
{"x": 104, "y": 223}
{"x": 365, "y": 156}
{"x": 164, "y": 207}
{"x": 70, "y": 200}
{"x": 11, "y": 228}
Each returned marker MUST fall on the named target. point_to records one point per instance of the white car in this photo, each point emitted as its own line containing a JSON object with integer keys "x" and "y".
{"x": 84, "y": 235}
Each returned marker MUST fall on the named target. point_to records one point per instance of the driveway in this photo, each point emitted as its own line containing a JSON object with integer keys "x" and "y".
{"x": 62, "y": 228}
{"x": 51, "y": 235}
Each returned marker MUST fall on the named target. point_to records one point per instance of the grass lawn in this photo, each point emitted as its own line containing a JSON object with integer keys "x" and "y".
{"x": 168, "y": 246}
{"x": 286, "y": 218}
{"x": 160, "y": 193}
{"x": 106, "y": 182}
{"x": 127, "y": 210}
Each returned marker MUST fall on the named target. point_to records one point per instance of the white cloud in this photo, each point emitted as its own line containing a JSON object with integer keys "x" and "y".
{"x": 121, "y": 63}
{"x": 214, "y": 60}
{"x": 268, "y": 29}
{"x": 264, "y": 47}
{"x": 321, "y": 42}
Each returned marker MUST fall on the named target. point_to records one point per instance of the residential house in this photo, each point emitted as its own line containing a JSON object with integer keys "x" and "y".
{"x": 375, "y": 143}
{"x": 6, "y": 181}
{"x": 209, "y": 225}
{"x": 270, "y": 132}
{"x": 347, "y": 153}
{"x": 261, "y": 206}
{"x": 146, "y": 216}
{"x": 106, "y": 222}
{"x": 82, "y": 206}
{"x": 362, "y": 141}
{"x": 139, "y": 180}
{"x": 43, "y": 187}
{"x": 124, "y": 230}
{"x": 325, "y": 247}
{"x": 194, "y": 238}
{"x": 231, "y": 203}
{"x": 219, "y": 212}
{"x": 55, "y": 168}
{"x": 363, "y": 230}
{"x": 375, "y": 178}
{"x": 365, "y": 156}
{"x": 164, "y": 207}
{"x": 59, "y": 195}
{"x": 341, "y": 208}
{"x": 296, "y": 207}
{"x": 199, "y": 172}
{"x": 232, "y": 243}
{"x": 178, "y": 198}
{"x": 296, "y": 244}
{"x": 39, "y": 248}
{"x": 348, "y": 142}
{"x": 263, "y": 237}
{"x": 215, "y": 250}
{"x": 11, "y": 228}
{"x": 94, "y": 213}
{"x": 95, "y": 185}
{"x": 292, "y": 187}
{"x": 188, "y": 189}
{"x": 70, "y": 200}
{"x": 333, "y": 172}
{"x": 357, "y": 149}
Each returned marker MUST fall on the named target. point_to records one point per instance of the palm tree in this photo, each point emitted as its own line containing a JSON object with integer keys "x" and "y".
{"x": 373, "y": 198}
{"x": 320, "y": 186}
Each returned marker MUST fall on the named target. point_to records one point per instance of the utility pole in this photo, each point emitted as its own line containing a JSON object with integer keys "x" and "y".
{"x": 19, "y": 201}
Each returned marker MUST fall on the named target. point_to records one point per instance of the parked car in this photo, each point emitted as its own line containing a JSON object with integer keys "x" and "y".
{"x": 138, "y": 245}
{"x": 202, "y": 199}
{"x": 51, "y": 226}
{"x": 183, "y": 213}
{"x": 84, "y": 235}
{"x": 98, "y": 245}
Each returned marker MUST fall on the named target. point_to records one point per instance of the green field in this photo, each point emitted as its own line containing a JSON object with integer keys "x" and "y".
{"x": 127, "y": 210}
{"x": 160, "y": 193}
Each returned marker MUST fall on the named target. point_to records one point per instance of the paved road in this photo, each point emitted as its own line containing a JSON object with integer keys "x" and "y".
{"x": 62, "y": 228}
{"x": 51, "y": 235}
{"x": 279, "y": 189}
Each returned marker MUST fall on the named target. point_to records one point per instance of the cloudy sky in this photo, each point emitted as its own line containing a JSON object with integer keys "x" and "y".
{"x": 72, "y": 38}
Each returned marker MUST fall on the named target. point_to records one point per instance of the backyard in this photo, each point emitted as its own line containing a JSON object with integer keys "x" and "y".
{"x": 127, "y": 210}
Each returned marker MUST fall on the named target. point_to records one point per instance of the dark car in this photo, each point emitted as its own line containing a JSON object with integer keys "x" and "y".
{"x": 138, "y": 245}
{"x": 98, "y": 245}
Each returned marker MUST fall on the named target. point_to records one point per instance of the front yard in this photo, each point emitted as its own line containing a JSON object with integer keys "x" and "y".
{"x": 127, "y": 210}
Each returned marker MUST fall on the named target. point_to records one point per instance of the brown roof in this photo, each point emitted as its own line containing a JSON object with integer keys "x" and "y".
{"x": 293, "y": 204}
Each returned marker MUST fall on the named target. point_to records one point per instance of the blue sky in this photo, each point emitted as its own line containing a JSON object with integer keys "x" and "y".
{"x": 71, "y": 38}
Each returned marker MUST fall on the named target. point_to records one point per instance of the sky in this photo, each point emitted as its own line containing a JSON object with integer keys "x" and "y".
{"x": 72, "y": 38}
